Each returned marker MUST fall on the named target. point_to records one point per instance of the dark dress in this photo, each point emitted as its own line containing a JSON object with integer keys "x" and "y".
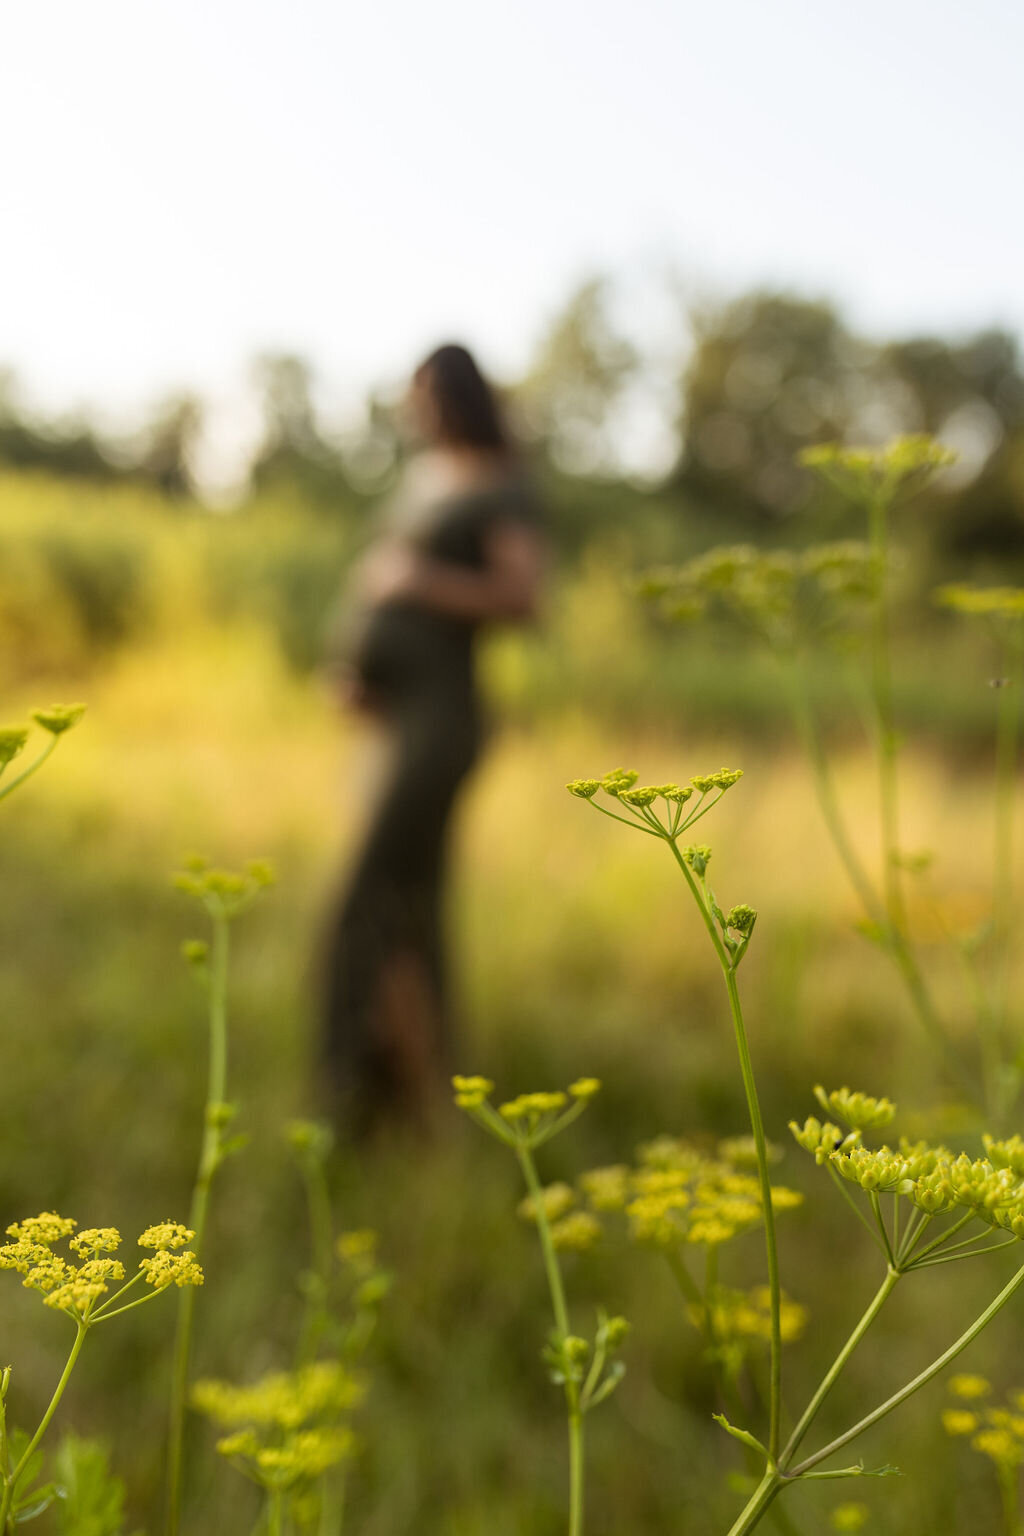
{"x": 387, "y": 1022}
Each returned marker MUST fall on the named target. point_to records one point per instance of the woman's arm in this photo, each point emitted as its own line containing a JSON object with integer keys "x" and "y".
{"x": 506, "y": 587}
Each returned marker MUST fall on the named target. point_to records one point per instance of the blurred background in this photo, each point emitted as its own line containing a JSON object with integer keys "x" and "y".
{"x": 687, "y": 241}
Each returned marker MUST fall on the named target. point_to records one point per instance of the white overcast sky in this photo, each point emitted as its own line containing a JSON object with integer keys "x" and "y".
{"x": 183, "y": 184}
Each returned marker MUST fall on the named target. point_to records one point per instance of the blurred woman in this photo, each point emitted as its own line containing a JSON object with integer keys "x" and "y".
{"x": 462, "y": 549}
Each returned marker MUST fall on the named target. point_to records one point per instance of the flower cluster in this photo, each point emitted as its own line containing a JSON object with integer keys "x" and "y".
{"x": 676, "y": 1196}
{"x": 995, "y": 1432}
{"x": 860, "y": 1112}
{"x": 779, "y": 595}
{"x": 865, "y": 474}
{"x": 223, "y": 892}
{"x": 77, "y": 1288}
{"x": 571, "y": 1229}
{"x": 285, "y": 1425}
{"x": 932, "y": 1178}
{"x": 640, "y": 801}
{"x": 737, "y": 1322}
{"x": 531, "y": 1118}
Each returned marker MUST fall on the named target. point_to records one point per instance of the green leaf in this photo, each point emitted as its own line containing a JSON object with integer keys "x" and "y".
{"x": 35, "y": 1504}
{"x": 742, "y": 1435}
{"x": 92, "y": 1502}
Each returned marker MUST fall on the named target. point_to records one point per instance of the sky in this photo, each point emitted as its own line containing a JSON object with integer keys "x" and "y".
{"x": 184, "y": 185}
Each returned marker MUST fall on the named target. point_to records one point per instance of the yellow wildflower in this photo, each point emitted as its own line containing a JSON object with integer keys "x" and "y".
{"x": 47, "y": 1228}
{"x": 96, "y": 1240}
{"x": 969, "y": 1387}
{"x": 163, "y": 1268}
{"x": 168, "y": 1234}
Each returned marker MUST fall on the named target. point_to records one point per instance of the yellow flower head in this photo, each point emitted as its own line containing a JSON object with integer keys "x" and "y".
{"x": 287, "y": 1399}
{"x": 959, "y": 1421}
{"x": 585, "y": 1087}
{"x": 96, "y": 1240}
{"x": 556, "y": 1199}
{"x": 584, "y": 789}
{"x": 859, "y": 1111}
{"x": 849, "y": 1517}
{"x": 47, "y": 1228}
{"x": 166, "y": 1235}
{"x": 576, "y": 1232}
{"x": 59, "y": 717}
{"x": 969, "y": 1387}
{"x": 606, "y": 1189}
{"x": 164, "y": 1268}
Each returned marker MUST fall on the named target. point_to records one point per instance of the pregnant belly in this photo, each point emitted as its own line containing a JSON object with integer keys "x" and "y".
{"x": 402, "y": 648}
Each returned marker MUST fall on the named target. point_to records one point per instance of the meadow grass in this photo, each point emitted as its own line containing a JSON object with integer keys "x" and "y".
{"x": 575, "y": 957}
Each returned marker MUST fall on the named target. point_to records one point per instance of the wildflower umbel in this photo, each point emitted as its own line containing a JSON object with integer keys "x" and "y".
{"x": 934, "y": 1181}
{"x": 77, "y": 1289}
{"x": 657, "y": 808}
{"x": 585, "y": 1371}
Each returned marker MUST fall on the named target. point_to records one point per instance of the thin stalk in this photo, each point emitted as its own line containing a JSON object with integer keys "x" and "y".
{"x": 561, "y": 1312}
{"x": 868, "y": 1226}
{"x": 896, "y": 942}
{"x": 209, "y": 1158}
{"x": 967, "y": 1337}
{"x": 881, "y": 691}
{"x": 944, "y": 1237}
{"x": 757, "y": 1127}
{"x": 318, "y": 1202}
{"x": 877, "y": 1208}
{"x": 332, "y": 1503}
{"x": 1009, "y": 1493}
{"x": 834, "y": 1371}
{"x": 275, "y": 1510}
{"x": 953, "y": 1258}
{"x": 828, "y": 800}
{"x": 1007, "y": 747}
{"x": 44, "y": 1424}
{"x": 757, "y": 1506}
{"x": 33, "y": 767}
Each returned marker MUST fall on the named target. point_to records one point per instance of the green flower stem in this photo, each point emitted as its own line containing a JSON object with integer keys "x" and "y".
{"x": 834, "y": 1371}
{"x": 1009, "y": 1493}
{"x": 967, "y": 1337}
{"x": 763, "y": 1496}
{"x": 318, "y": 1201}
{"x": 943, "y": 1237}
{"x": 332, "y": 1503}
{"x": 275, "y": 1511}
{"x": 1007, "y": 747}
{"x": 868, "y": 1226}
{"x": 209, "y": 1158}
{"x": 5, "y": 1381}
{"x": 26, "y": 773}
{"x": 561, "y": 1312}
{"x": 895, "y": 940}
{"x": 881, "y": 689}
{"x": 16, "y": 1475}
{"x": 128, "y": 1307}
{"x": 757, "y": 1127}
{"x": 828, "y": 800}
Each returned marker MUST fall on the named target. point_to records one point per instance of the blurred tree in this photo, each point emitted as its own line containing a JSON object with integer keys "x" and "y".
{"x": 293, "y": 452}
{"x": 72, "y": 449}
{"x": 166, "y": 457}
{"x": 768, "y": 375}
{"x": 568, "y": 399}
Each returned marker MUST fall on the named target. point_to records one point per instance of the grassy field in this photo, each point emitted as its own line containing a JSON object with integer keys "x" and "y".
{"x": 578, "y": 953}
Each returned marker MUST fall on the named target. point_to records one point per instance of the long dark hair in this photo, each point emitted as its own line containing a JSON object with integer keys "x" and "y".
{"x": 468, "y": 414}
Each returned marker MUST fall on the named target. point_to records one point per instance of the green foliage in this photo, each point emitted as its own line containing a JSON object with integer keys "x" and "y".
{"x": 92, "y": 1497}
